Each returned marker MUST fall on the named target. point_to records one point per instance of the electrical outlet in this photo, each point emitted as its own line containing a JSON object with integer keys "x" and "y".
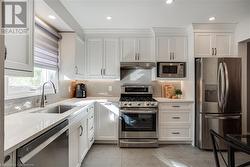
{"x": 110, "y": 88}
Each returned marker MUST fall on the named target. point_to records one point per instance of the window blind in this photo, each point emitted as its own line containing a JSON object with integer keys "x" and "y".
{"x": 46, "y": 47}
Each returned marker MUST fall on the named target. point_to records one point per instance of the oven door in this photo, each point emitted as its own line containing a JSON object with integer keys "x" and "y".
{"x": 138, "y": 124}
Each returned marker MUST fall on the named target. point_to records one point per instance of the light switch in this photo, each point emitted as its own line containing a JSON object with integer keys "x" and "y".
{"x": 110, "y": 88}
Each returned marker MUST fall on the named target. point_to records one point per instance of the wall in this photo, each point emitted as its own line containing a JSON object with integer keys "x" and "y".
{"x": 248, "y": 88}
{"x": 242, "y": 32}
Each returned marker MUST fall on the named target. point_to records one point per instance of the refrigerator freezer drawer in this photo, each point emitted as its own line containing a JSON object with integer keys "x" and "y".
{"x": 222, "y": 124}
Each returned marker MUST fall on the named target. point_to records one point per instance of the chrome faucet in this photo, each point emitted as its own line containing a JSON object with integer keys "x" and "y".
{"x": 43, "y": 98}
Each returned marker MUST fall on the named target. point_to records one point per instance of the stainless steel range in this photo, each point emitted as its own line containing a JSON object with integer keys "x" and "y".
{"x": 138, "y": 125}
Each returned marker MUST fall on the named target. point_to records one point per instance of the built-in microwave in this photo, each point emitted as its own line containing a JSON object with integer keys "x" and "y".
{"x": 171, "y": 70}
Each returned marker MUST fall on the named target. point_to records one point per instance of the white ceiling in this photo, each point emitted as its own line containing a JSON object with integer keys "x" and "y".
{"x": 43, "y": 11}
{"x": 154, "y": 13}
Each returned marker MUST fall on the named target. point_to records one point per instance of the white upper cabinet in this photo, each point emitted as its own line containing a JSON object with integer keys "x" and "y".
{"x": 128, "y": 49}
{"x": 19, "y": 48}
{"x": 111, "y": 61}
{"x": 223, "y": 44}
{"x": 171, "y": 48}
{"x": 214, "y": 44}
{"x": 103, "y": 58}
{"x": 137, "y": 49}
{"x": 79, "y": 58}
{"x": 94, "y": 58}
{"x": 72, "y": 53}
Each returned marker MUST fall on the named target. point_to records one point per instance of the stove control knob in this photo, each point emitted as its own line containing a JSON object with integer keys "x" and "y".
{"x": 148, "y": 104}
{"x": 125, "y": 104}
{"x": 129, "y": 104}
{"x": 139, "y": 104}
{"x": 152, "y": 104}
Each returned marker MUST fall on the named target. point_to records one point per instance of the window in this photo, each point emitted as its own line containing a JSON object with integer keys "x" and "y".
{"x": 46, "y": 58}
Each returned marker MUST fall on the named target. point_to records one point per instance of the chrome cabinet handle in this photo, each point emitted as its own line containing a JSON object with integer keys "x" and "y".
{"x": 212, "y": 51}
{"x": 170, "y": 56}
{"x": 76, "y": 69}
{"x": 215, "y": 49}
{"x": 175, "y": 133}
{"x": 81, "y": 128}
{"x": 138, "y": 56}
{"x": 104, "y": 71}
{"x": 173, "y": 55}
{"x": 176, "y": 117}
{"x": 5, "y": 53}
{"x": 7, "y": 158}
{"x": 176, "y": 106}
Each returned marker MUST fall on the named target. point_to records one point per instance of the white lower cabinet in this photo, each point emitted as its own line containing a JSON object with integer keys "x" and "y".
{"x": 106, "y": 125}
{"x": 10, "y": 160}
{"x": 79, "y": 137}
{"x": 176, "y": 122}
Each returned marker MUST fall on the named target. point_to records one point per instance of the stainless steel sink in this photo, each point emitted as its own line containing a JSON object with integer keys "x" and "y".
{"x": 57, "y": 109}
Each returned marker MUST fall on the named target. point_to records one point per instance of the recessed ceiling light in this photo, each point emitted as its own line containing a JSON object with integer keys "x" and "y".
{"x": 211, "y": 18}
{"x": 169, "y": 2}
{"x": 52, "y": 17}
{"x": 109, "y": 17}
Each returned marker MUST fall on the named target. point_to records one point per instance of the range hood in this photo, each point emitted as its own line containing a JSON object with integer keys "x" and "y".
{"x": 136, "y": 72}
{"x": 137, "y": 65}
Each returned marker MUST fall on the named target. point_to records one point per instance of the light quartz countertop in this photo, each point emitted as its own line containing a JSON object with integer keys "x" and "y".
{"x": 22, "y": 127}
{"x": 166, "y": 100}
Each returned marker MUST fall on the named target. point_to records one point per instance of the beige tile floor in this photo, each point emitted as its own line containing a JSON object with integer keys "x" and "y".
{"x": 165, "y": 156}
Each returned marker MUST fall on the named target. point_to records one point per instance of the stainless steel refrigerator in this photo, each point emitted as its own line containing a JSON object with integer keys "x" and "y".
{"x": 218, "y": 98}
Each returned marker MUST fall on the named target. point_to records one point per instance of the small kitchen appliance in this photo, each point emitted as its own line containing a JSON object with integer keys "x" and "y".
{"x": 171, "y": 70}
{"x": 81, "y": 91}
{"x": 138, "y": 123}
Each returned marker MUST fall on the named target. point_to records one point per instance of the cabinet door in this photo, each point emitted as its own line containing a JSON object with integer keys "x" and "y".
{"x": 94, "y": 58}
{"x": 106, "y": 121}
{"x": 162, "y": 49}
{"x": 74, "y": 139}
{"x": 79, "y": 58}
{"x": 111, "y": 59}
{"x": 223, "y": 44}
{"x": 83, "y": 139}
{"x": 178, "y": 48}
{"x": 203, "y": 44}
{"x": 128, "y": 49}
{"x": 19, "y": 57}
{"x": 145, "y": 49}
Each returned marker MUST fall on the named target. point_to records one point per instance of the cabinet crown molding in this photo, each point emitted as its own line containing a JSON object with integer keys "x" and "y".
{"x": 214, "y": 27}
{"x": 170, "y": 31}
{"x": 119, "y": 32}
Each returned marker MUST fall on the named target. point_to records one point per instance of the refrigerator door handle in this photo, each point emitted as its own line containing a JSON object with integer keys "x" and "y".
{"x": 226, "y": 84}
{"x": 223, "y": 117}
{"x": 221, "y": 85}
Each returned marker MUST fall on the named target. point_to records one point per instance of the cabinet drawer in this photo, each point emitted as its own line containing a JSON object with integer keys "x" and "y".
{"x": 175, "y": 133}
{"x": 175, "y": 117}
{"x": 175, "y": 106}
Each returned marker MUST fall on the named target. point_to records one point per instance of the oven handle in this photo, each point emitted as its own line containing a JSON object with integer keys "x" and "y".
{"x": 138, "y": 112}
{"x": 27, "y": 157}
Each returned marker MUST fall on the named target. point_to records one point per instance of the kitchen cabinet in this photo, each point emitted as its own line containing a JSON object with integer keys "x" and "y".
{"x": 72, "y": 53}
{"x": 176, "y": 122}
{"x": 19, "y": 48}
{"x": 137, "y": 49}
{"x": 106, "y": 125}
{"x": 78, "y": 138}
{"x": 10, "y": 160}
{"x": 171, "y": 49}
{"x": 103, "y": 58}
{"x": 91, "y": 125}
{"x": 214, "y": 44}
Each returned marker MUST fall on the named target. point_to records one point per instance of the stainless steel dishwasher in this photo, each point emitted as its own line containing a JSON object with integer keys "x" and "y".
{"x": 48, "y": 150}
